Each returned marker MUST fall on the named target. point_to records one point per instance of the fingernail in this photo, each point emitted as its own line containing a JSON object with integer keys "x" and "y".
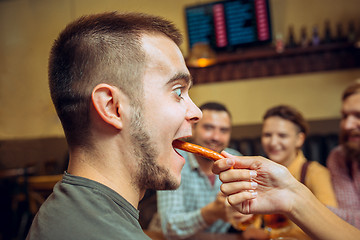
{"x": 254, "y": 185}
{"x": 229, "y": 162}
{"x": 253, "y": 174}
{"x": 254, "y": 194}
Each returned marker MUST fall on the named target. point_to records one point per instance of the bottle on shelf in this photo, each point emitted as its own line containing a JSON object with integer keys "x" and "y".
{"x": 315, "y": 40}
{"x": 351, "y": 35}
{"x": 327, "y": 32}
{"x": 340, "y": 33}
{"x": 291, "y": 38}
{"x": 279, "y": 44}
{"x": 304, "y": 41}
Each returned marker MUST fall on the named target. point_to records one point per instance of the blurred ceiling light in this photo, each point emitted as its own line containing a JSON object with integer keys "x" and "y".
{"x": 201, "y": 55}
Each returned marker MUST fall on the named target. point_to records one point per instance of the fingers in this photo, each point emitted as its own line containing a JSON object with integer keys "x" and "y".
{"x": 237, "y": 162}
{"x": 243, "y": 197}
{"x": 235, "y": 187}
{"x": 237, "y": 181}
{"x": 232, "y": 213}
{"x": 220, "y": 197}
{"x": 233, "y": 175}
{"x": 226, "y": 154}
{"x": 222, "y": 165}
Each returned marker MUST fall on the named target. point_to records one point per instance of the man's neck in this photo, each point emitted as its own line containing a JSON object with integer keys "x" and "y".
{"x": 115, "y": 176}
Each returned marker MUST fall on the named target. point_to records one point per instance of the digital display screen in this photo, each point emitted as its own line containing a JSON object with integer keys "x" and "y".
{"x": 226, "y": 25}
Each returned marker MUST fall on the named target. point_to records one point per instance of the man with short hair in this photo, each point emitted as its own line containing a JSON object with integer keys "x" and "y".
{"x": 120, "y": 85}
{"x": 344, "y": 161}
{"x": 198, "y": 205}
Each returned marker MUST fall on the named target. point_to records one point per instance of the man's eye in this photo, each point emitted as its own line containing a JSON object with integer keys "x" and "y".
{"x": 178, "y": 92}
{"x": 225, "y": 130}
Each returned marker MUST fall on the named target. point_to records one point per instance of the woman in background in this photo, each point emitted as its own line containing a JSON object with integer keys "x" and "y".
{"x": 283, "y": 134}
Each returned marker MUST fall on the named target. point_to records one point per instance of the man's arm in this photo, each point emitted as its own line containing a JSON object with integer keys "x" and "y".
{"x": 214, "y": 210}
{"x": 176, "y": 221}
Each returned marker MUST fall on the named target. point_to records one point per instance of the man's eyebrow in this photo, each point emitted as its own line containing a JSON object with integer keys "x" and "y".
{"x": 182, "y": 76}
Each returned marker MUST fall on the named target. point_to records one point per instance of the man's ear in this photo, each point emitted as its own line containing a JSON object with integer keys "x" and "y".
{"x": 106, "y": 101}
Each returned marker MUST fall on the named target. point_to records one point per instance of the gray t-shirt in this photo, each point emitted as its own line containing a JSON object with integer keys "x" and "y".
{"x": 80, "y": 208}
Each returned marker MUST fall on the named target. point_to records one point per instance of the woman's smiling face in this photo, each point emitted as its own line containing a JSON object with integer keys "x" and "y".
{"x": 281, "y": 139}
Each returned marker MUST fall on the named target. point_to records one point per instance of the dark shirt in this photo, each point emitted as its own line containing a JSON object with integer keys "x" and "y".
{"x": 80, "y": 208}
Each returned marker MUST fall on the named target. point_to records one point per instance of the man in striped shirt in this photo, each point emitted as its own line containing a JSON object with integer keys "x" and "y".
{"x": 197, "y": 205}
{"x": 344, "y": 161}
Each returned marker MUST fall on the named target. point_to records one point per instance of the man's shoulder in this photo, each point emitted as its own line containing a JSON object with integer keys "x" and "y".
{"x": 90, "y": 228}
{"x": 337, "y": 154}
{"x": 338, "y": 149}
{"x": 68, "y": 210}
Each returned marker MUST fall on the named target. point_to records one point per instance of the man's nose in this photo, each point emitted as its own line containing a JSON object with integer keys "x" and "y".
{"x": 193, "y": 113}
{"x": 216, "y": 134}
{"x": 351, "y": 122}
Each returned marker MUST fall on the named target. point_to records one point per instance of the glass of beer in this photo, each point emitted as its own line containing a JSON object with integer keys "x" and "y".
{"x": 238, "y": 220}
{"x": 276, "y": 224}
{"x": 242, "y": 225}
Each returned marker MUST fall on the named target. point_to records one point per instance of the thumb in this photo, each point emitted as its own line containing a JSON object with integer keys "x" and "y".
{"x": 226, "y": 154}
{"x": 236, "y": 162}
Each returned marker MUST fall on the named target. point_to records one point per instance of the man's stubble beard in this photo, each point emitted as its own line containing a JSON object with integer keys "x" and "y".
{"x": 352, "y": 151}
{"x": 150, "y": 175}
